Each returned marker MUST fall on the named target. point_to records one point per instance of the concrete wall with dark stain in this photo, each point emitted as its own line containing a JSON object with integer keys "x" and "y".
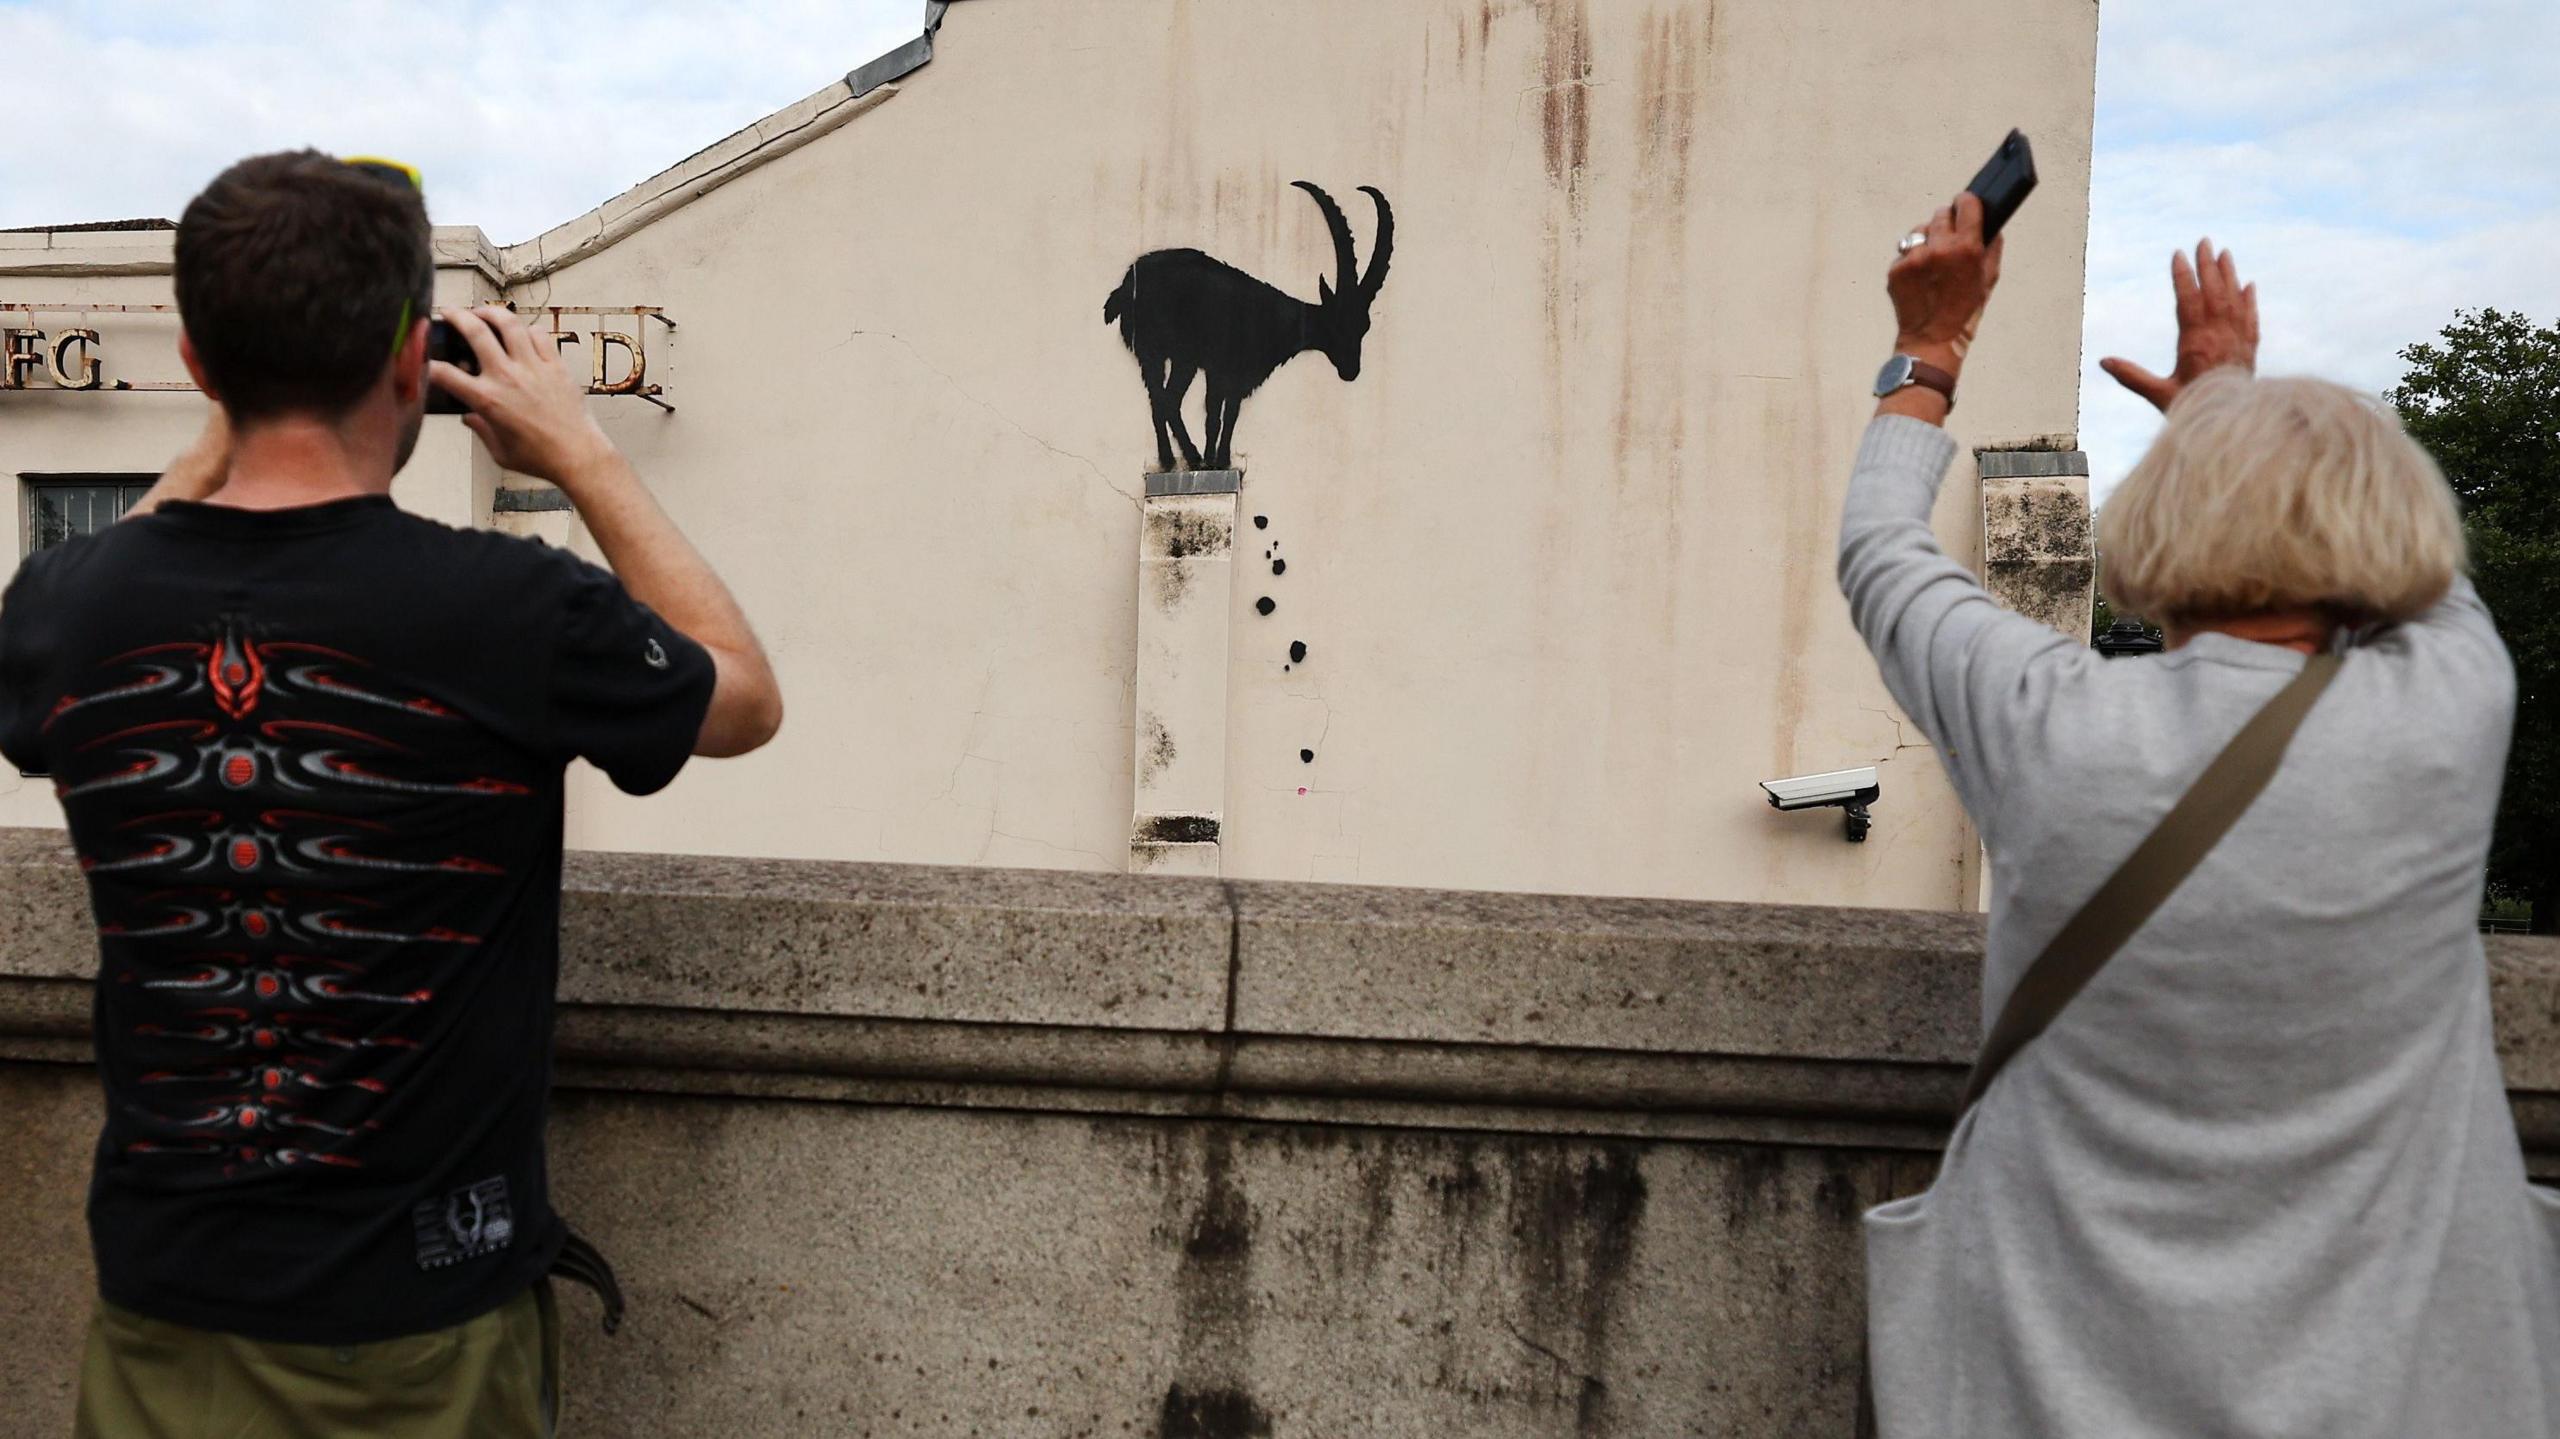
{"x": 883, "y": 1150}
{"x": 1199, "y": 1280}
{"x": 799, "y": 1269}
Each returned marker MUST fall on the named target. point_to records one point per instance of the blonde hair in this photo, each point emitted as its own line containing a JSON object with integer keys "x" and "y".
{"x": 2279, "y": 494}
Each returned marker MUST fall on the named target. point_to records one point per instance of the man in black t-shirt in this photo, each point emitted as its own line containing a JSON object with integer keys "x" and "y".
{"x": 310, "y": 750}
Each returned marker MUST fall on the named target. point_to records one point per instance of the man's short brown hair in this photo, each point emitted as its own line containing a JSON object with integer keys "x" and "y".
{"x": 292, "y": 272}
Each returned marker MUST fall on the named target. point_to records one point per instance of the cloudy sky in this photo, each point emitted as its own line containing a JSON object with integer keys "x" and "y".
{"x": 521, "y": 114}
{"x": 2373, "y": 164}
{"x": 2372, "y": 170}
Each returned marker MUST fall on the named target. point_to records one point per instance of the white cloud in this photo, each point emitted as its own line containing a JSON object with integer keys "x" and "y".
{"x": 522, "y": 116}
{"x": 2373, "y": 167}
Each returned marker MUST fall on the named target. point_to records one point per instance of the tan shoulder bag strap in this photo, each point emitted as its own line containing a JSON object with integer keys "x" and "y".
{"x": 2154, "y": 870}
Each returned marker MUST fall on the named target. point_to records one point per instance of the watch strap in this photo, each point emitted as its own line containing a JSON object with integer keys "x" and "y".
{"x": 1929, "y": 376}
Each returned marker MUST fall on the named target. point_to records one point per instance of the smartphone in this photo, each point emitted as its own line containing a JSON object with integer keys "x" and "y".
{"x": 2005, "y": 183}
{"x": 444, "y": 344}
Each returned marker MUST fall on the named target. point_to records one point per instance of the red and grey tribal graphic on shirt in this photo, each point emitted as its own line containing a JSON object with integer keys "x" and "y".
{"x": 273, "y": 974}
{"x": 311, "y": 763}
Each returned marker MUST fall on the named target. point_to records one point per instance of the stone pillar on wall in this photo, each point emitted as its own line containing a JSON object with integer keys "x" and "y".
{"x": 2037, "y": 555}
{"x": 2036, "y": 552}
{"x": 1186, "y": 579}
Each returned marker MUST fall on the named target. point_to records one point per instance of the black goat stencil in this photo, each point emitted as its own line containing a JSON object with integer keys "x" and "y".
{"x": 1186, "y": 315}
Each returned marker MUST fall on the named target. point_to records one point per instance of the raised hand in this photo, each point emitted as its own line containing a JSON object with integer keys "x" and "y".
{"x": 526, "y": 405}
{"x": 2217, "y": 326}
{"x": 1941, "y": 286}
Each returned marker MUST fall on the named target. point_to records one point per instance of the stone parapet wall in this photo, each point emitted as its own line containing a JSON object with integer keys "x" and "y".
{"x": 893, "y": 1150}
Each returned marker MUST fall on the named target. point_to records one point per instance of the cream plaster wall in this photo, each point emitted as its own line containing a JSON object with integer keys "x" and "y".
{"x": 1561, "y": 556}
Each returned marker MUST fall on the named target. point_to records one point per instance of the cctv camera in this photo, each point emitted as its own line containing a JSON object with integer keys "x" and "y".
{"x": 1850, "y": 789}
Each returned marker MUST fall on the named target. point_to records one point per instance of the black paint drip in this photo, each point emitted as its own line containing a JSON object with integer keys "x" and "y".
{"x": 1262, "y": 522}
{"x": 1306, "y": 756}
{"x": 1279, "y": 567}
{"x": 1211, "y": 1414}
{"x": 1297, "y": 652}
{"x": 1265, "y": 605}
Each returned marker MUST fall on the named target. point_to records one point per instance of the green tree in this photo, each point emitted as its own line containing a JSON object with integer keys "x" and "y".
{"x": 2484, "y": 398}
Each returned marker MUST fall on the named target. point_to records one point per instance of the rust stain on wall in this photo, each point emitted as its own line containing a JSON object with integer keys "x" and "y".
{"x": 1564, "y": 78}
{"x": 1652, "y": 375}
{"x": 1649, "y": 432}
{"x": 1565, "y": 104}
{"x": 1811, "y": 512}
{"x": 1781, "y": 438}
{"x": 1684, "y": 40}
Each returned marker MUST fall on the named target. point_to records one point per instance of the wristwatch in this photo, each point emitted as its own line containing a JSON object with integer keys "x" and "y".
{"x": 1902, "y": 371}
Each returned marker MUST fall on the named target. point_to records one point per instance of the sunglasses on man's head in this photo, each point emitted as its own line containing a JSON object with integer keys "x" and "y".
{"x": 397, "y": 172}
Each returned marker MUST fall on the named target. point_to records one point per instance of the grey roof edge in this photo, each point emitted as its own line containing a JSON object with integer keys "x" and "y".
{"x": 644, "y": 203}
{"x": 116, "y": 251}
{"x": 1163, "y": 483}
{"x": 529, "y": 500}
{"x": 679, "y": 185}
{"x": 717, "y": 164}
{"x": 91, "y": 227}
{"x": 2031, "y": 464}
{"x": 901, "y": 62}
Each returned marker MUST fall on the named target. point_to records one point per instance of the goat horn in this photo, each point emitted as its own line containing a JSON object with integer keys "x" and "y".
{"x": 1380, "y": 252}
{"x": 1345, "y": 257}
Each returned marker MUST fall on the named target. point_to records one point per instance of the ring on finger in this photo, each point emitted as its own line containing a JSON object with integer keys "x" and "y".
{"x": 1911, "y": 242}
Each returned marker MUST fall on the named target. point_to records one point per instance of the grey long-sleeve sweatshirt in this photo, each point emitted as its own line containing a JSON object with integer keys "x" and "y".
{"x": 2260, "y": 1179}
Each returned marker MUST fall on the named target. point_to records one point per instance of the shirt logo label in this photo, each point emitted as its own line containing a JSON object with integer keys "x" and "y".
{"x": 465, "y": 1224}
{"x": 656, "y": 655}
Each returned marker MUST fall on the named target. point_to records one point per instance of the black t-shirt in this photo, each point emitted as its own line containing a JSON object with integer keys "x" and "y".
{"x": 312, "y": 762}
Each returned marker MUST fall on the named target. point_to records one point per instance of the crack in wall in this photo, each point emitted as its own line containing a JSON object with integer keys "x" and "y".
{"x": 1901, "y": 741}
{"x": 1561, "y": 1362}
{"x": 994, "y": 834}
{"x": 1009, "y": 421}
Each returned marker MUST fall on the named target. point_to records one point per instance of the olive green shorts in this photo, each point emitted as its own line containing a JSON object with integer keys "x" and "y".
{"x": 495, "y": 1377}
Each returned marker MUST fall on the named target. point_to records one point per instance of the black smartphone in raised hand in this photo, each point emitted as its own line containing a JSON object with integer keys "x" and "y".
{"x": 2004, "y": 183}
{"x": 444, "y": 343}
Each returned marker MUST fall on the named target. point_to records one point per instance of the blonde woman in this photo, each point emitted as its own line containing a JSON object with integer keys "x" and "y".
{"x": 2258, "y": 1177}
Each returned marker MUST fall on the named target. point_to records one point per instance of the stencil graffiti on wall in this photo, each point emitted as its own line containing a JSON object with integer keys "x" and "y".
{"x": 1188, "y": 316}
